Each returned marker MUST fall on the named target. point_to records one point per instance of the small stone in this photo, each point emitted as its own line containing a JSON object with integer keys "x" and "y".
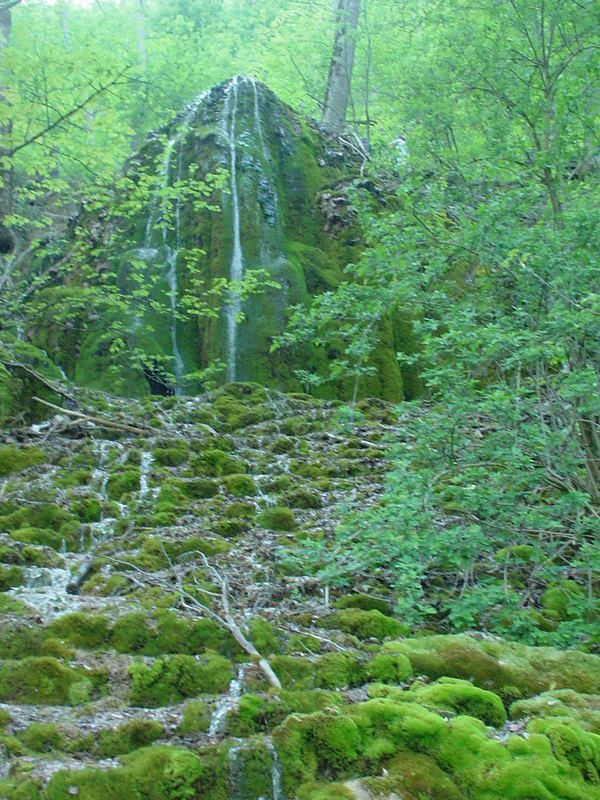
{"x": 73, "y": 790}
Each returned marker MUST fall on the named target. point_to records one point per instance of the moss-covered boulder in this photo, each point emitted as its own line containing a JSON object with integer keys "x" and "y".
{"x": 282, "y": 189}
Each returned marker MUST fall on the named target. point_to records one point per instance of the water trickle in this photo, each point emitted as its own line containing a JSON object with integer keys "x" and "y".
{"x": 226, "y": 704}
{"x": 276, "y": 772}
{"x": 145, "y": 465}
{"x": 236, "y": 269}
{"x": 177, "y": 142}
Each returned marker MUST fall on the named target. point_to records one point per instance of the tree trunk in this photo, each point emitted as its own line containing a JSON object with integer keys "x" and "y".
{"x": 342, "y": 63}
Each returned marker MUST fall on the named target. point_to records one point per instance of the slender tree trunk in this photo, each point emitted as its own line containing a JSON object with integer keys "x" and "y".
{"x": 342, "y": 63}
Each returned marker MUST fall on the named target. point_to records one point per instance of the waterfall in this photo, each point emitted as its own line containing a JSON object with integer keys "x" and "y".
{"x": 261, "y": 139}
{"x": 172, "y": 253}
{"x": 172, "y": 256}
{"x": 236, "y": 270}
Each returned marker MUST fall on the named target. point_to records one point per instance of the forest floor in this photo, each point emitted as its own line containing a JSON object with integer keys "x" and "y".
{"x": 138, "y": 540}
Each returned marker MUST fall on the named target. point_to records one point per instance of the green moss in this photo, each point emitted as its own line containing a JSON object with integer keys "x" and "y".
{"x": 88, "y": 509}
{"x": 265, "y": 636}
{"x": 38, "y": 680}
{"x": 339, "y": 670}
{"x": 217, "y": 463}
{"x": 81, "y": 629}
{"x": 240, "y": 485}
{"x": 556, "y": 600}
{"x": 172, "y": 453}
{"x": 293, "y": 672}
{"x": 363, "y": 601}
{"x": 124, "y": 482}
{"x": 18, "y": 640}
{"x": 128, "y": 737}
{"x": 169, "y": 680}
{"x": 278, "y": 518}
{"x": 364, "y": 624}
{"x": 196, "y": 718}
{"x": 301, "y": 498}
{"x": 10, "y": 577}
{"x": 512, "y": 670}
{"x": 43, "y": 737}
{"x": 15, "y": 459}
{"x": 584, "y": 709}
{"x": 153, "y": 773}
{"x": 386, "y": 668}
{"x": 463, "y": 698}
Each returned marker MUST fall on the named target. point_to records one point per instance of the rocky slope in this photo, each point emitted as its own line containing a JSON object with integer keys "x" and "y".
{"x": 126, "y": 536}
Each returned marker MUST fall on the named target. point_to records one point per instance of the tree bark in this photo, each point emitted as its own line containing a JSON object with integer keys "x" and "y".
{"x": 340, "y": 69}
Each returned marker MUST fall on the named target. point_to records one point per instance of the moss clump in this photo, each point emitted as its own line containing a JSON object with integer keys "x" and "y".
{"x": 363, "y": 601}
{"x": 386, "y": 668}
{"x": 584, "y": 709}
{"x": 15, "y": 459}
{"x": 512, "y": 670}
{"x": 339, "y": 670}
{"x": 556, "y": 600}
{"x": 10, "y": 577}
{"x": 170, "y": 680}
{"x": 128, "y": 737}
{"x": 19, "y": 640}
{"x": 236, "y": 414}
{"x": 294, "y": 673}
{"x": 278, "y": 518}
{"x": 43, "y": 737}
{"x": 364, "y": 624}
{"x": 43, "y": 523}
{"x": 239, "y": 510}
{"x": 216, "y": 463}
{"x": 88, "y": 509}
{"x": 265, "y": 636}
{"x": 151, "y": 773}
{"x": 452, "y": 694}
{"x": 302, "y": 498}
{"x": 196, "y": 718}
{"x": 81, "y": 629}
{"x": 38, "y": 680}
{"x": 240, "y": 485}
{"x": 124, "y": 482}
{"x": 228, "y": 528}
{"x": 171, "y": 454}
{"x": 167, "y": 633}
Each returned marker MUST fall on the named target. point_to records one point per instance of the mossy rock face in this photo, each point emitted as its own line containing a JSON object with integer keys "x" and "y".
{"x": 284, "y": 166}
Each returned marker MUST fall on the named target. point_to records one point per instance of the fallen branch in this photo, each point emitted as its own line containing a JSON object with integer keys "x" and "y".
{"x": 103, "y": 423}
{"x": 49, "y": 384}
{"x": 194, "y": 606}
